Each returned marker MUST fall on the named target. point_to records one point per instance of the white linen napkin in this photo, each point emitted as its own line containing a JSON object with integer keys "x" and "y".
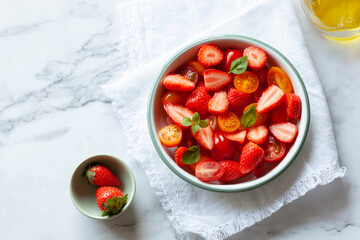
{"x": 159, "y": 28}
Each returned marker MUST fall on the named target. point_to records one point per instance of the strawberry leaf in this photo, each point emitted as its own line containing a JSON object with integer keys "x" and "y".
{"x": 249, "y": 118}
{"x": 195, "y": 128}
{"x": 239, "y": 65}
{"x": 191, "y": 155}
{"x": 186, "y": 121}
{"x": 203, "y": 124}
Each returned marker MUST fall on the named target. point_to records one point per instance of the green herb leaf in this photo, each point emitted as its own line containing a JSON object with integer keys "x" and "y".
{"x": 239, "y": 65}
{"x": 196, "y": 118}
{"x": 249, "y": 118}
{"x": 203, "y": 124}
{"x": 191, "y": 155}
{"x": 195, "y": 128}
{"x": 186, "y": 121}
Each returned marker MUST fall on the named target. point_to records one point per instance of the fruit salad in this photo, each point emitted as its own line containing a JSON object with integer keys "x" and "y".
{"x": 231, "y": 116}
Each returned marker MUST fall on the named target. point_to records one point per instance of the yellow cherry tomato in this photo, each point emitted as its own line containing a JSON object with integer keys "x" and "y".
{"x": 278, "y": 77}
{"x": 170, "y": 135}
{"x": 228, "y": 122}
{"x": 246, "y": 82}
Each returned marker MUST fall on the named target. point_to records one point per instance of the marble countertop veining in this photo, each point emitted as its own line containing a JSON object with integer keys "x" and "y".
{"x": 55, "y": 55}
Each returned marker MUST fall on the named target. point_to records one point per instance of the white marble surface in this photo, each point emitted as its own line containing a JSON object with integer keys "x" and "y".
{"x": 55, "y": 55}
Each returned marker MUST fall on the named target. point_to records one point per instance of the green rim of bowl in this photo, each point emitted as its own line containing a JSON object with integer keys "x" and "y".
{"x": 150, "y": 111}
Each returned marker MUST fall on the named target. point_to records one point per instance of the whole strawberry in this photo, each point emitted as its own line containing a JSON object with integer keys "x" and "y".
{"x": 238, "y": 100}
{"x": 110, "y": 200}
{"x": 198, "y": 100}
{"x": 101, "y": 176}
{"x": 231, "y": 171}
{"x": 251, "y": 156}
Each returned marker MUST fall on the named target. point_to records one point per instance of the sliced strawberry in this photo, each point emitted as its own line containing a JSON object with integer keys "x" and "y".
{"x": 258, "y": 134}
{"x": 178, "y": 154}
{"x": 284, "y": 132}
{"x": 176, "y": 82}
{"x": 251, "y": 156}
{"x": 293, "y": 106}
{"x": 231, "y": 171}
{"x": 238, "y": 136}
{"x": 215, "y": 79}
{"x": 210, "y": 55}
{"x": 238, "y": 100}
{"x": 219, "y": 103}
{"x": 270, "y": 99}
{"x": 177, "y": 112}
{"x": 205, "y": 137}
{"x": 256, "y": 57}
{"x": 259, "y": 169}
{"x": 279, "y": 115}
{"x": 198, "y": 100}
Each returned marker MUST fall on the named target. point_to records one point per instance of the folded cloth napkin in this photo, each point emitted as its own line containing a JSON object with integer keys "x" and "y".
{"x": 157, "y": 30}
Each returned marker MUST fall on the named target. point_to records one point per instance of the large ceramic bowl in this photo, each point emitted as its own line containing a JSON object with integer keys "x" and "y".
{"x": 156, "y": 114}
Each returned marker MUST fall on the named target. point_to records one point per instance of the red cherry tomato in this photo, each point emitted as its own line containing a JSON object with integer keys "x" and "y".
{"x": 223, "y": 148}
{"x": 208, "y": 171}
{"x": 274, "y": 149}
{"x": 229, "y": 57}
{"x": 190, "y": 73}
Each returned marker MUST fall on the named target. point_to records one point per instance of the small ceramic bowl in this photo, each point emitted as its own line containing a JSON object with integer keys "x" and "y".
{"x": 83, "y": 194}
{"x": 157, "y": 116}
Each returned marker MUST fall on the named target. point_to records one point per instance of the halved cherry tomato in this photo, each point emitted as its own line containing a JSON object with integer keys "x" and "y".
{"x": 223, "y": 148}
{"x": 229, "y": 57}
{"x": 278, "y": 77}
{"x": 274, "y": 149}
{"x": 178, "y": 98}
{"x": 190, "y": 73}
{"x": 228, "y": 122}
{"x": 246, "y": 82}
{"x": 260, "y": 117}
{"x": 212, "y": 121}
{"x": 170, "y": 135}
{"x": 198, "y": 66}
{"x": 208, "y": 171}
{"x": 203, "y": 157}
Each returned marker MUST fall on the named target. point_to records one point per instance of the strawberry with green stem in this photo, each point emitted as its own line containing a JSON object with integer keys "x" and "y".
{"x": 110, "y": 200}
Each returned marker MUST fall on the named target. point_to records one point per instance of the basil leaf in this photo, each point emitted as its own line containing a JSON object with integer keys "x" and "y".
{"x": 239, "y": 65}
{"x": 186, "y": 121}
{"x": 249, "y": 118}
{"x": 203, "y": 124}
{"x": 191, "y": 155}
{"x": 195, "y": 128}
{"x": 196, "y": 118}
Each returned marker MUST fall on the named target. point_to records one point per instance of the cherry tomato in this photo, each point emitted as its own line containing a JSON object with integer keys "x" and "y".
{"x": 212, "y": 121}
{"x": 260, "y": 117}
{"x": 274, "y": 149}
{"x": 229, "y": 57}
{"x": 170, "y": 135}
{"x": 208, "y": 171}
{"x": 228, "y": 122}
{"x": 278, "y": 77}
{"x": 246, "y": 82}
{"x": 190, "y": 73}
{"x": 203, "y": 157}
{"x": 223, "y": 148}
{"x": 197, "y": 66}
{"x": 178, "y": 98}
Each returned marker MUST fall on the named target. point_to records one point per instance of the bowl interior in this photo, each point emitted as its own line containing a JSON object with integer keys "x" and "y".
{"x": 83, "y": 194}
{"x": 157, "y": 116}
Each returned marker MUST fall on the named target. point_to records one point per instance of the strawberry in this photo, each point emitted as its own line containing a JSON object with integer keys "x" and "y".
{"x": 262, "y": 74}
{"x": 284, "y": 132}
{"x": 279, "y": 115}
{"x": 238, "y": 100}
{"x": 258, "y": 134}
{"x": 270, "y": 99}
{"x": 256, "y": 57}
{"x": 102, "y": 176}
{"x": 215, "y": 79}
{"x": 210, "y": 55}
{"x": 110, "y": 200}
{"x": 258, "y": 170}
{"x": 231, "y": 171}
{"x": 177, "y": 82}
{"x": 187, "y": 139}
{"x": 198, "y": 100}
{"x": 177, "y": 112}
{"x": 178, "y": 154}
{"x": 258, "y": 92}
{"x": 251, "y": 155}
{"x": 293, "y": 106}
{"x": 205, "y": 137}
{"x": 238, "y": 136}
{"x": 219, "y": 103}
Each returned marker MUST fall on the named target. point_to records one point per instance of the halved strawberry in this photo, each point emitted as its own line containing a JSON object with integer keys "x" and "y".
{"x": 205, "y": 137}
{"x": 231, "y": 171}
{"x": 238, "y": 136}
{"x": 215, "y": 79}
{"x": 293, "y": 106}
{"x": 177, "y": 113}
{"x": 219, "y": 103}
{"x": 270, "y": 99}
{"x": 251, "y": 156}
{"x": 279, "y": 115}
{"x": 258, "y": 134}
{"x": 178, "y": 154}
{"x": 198, "y": 100}
{"x": 176, "y": 82}
{"x": 210, "y": 55}
{"x": 238, "y": 100}
{"x": 256, "y": 57}
{"x": 284, "y": 132}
